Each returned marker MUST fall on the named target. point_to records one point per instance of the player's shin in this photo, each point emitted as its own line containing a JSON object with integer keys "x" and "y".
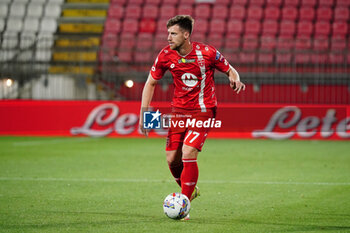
{"x": 176, "y": 170}
{"x": 189, "y": 176}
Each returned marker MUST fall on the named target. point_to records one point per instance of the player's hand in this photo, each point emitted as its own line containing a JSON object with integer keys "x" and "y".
{"x": 142, "y": 129}
{"x": 237, "y": 85}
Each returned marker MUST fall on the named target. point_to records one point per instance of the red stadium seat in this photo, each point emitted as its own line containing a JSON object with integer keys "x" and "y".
{"x": 220, "y": 12}
{"x": 268, "y": 43}
{"x": 135, "y": 2}
{"x": 202, "y": 26}
{"x": 250, "y": 42}
{"x": 223, "y": 2}
{"x": 272, "y": 12}
{"x": 217, "y": 26}
{"x": 265, "y": 58}
{"x": 324, "y": 13}
{"x": 113, "y": 25}
{"x": 132, "y": 12}
{"x": 270, "y": 27}
{"x": 307, "y": 13}
{"x": 275, "y": 3}
{"x": 338, "y": 45}
{"x": 144, "y": 41}
{"x": 285, "y": 43}
{"x": 340, "y": 29}
{"x": 283, "y": 58}
{"x": 216, "y": 40}
{"x": 303, "y": 43}
{"x": 115, "y": 11}
{"x": 287, "y": 28}
{"x": 154, "y": 2}
{"x": 130, "y": 26}
{"x": 322, "y": 29}
{"x": 305, "y": 28}
{"x": 343, "y": 3}
{"x": 320, "y": 58}
{"x": 171, "y": 2}
{"x": 150, "y": 11}
{"x": 232, "y": 42}
{"x": 328, "y": 3}
{"x": 247, "y": 57}
{"x": 336, "y": 58}
{"x": 106, "y": 54}
{"x": 127, "y": 41}
{"x": 187, "y": 2}
{"x": 161, "y": 26}
{"x": 234, "y": 27}
{"x": 320, "y": 44}
{"x": 125, "y": 56}
{"x": 254, "y": 12}
{"x": 309, "y": 3}
{"x": 341, "y": 14}
{"x": 160, "y": 41}
{"x": 302, "y": 58}
{"x": 109, "y": 40}
{"x": 198, "y": 37}
{"x": 167, "y": 10}
{"x": 117, "y": 2}
{"x": 141, "y": 56}
{"x": 293, "y": 3}
{"x": 252, "y": 27}
{"x": 148, "y": 25}
{"x": 185, "y": 9}
{"x": 256, "y": 3}
{"x": 202, "y": 11}
{"x": 237, "y": 12}
{"x": 289, "y": 13}
{"x": 240, "y": 2}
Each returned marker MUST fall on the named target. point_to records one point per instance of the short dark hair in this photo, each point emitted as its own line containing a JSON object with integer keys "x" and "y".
{"x": 185, "y": 22}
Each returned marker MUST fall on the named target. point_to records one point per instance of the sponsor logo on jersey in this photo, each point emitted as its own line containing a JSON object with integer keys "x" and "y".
{"x": 189, "y": 79}
{"x": 183, "y": 60}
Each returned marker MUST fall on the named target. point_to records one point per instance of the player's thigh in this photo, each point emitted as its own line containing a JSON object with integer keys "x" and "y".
{"x": 195, "y": 138}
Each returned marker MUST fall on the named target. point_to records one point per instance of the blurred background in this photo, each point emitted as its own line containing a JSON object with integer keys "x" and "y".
{"x": 286, "y": 51}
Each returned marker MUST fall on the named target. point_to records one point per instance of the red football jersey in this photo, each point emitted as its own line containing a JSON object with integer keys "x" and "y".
{"x": 193, "y": 75}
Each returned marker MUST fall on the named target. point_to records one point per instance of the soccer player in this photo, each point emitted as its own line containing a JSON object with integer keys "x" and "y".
{"x": 192, "y": 66}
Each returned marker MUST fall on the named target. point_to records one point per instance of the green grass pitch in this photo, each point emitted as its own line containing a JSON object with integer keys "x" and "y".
{"x": 105, "y": 185}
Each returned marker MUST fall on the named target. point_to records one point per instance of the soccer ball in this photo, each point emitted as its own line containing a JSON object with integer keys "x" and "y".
{"x": 176, "y": 206}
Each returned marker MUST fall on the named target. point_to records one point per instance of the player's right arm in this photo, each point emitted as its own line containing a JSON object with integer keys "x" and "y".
{"x": 147, "y": 95}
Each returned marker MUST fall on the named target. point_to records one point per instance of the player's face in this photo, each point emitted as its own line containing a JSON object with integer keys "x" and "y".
{"x": 176, "y": 37}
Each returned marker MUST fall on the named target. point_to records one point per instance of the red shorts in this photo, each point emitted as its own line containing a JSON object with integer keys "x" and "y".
{"x": 190, "y": 134}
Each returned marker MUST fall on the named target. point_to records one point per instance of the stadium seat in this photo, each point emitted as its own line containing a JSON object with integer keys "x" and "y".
{"x": 234, "y": 27}
{"x": 305, "y": 28}
{"x": 201, "y": 26}
{"x": 272, "y": 13}
{"x": 302, "y": 58}
{"x": 149, "y": 11}
{"x": 144, "y": 41}
{"x": 336, "y": 58}
{"x": 154, "y": 2}
{"x": 285, "y": 43}
{"x": 106, "y": 54}
{"x": 306, "y": 13}
{"x": 198, "y": 37}
{"x": 185, "y": 9}
{"x": 148, "y": 25}
{"x": 127, "y": 41}
{"x": 265, "y": 58}
{"x": 320, "y": 44}
{"x": 341, "y": 14}
{"x": 232, "y": 42}
{"x": 319, "y": 58}
{"x": 135, "y": 2}
{"x": 287, "y": 28}
{"x": 9, "y": 40}
{"x": 324, "y": 14}
{"x": 132, "y": 12}
{"x": 343, "y": 3}
{"x": 302, "y": 43}
{"x": 255, "y": 13}
{"x": 25, "y": 55}
{"x": 110, "y": 40}
{"x": 223, "y": 2}
{"x": 17, "y": 10}
{"x": 322, "y": 29}
{"x": 166, "y": 10}
{"x": 59, "y": 2}
{"x": 115, "y": 11}
{"x": 275, "y": 3}
{"x": 52, "y": 10}
{"x": 259, "y": 3}
{"x": 247, "y": 57}
{"x": 220, "y": 12}
{"x": 340, "y": 29}
{"x": 130, "y": 26}
{"x": 240, "y": 2}
{"x": 293, "y": 3}
{"x": 172, "y": 2}
{"x": 289, "y": 13}
{"x": 43, "y": 55}
{"x": 6, "y": 55}
{"x": 161, "y": 26}
{"x": 217, "y": 26}
{"x": 283, "y": 58}
{"x": 2, "y": 25}
{"x": 338, "y": 44}
{"x": 327, "y": 3}
{"x": 112, "y": 25}
{"x": 160, "y": 41}
{"x": 125, "y": 56}
{"x": 3, "y": 10}
{"x": 252, "y": 27}
{"x": 141, "y": 56}
{"x": 35, "y": 10}
{"x": 31, "y": 24}
{"x": 216, "y": 40}
{"x": 14, "y": 24}
{"x": 45, "y": 40}
{"x": 309, "y": 3}
{"x": 270, "y": 28}
{"x": 250, "y": 42}
{"x": 267, "y": 43}
{"x": 202, "y": 11}
{"x": 118, "y": 2}
{"x": 237, "y": 12}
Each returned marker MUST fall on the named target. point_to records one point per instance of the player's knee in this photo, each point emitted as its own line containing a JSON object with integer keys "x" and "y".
{"x": 189, "y": 152}
{"x": 171, "y": 157}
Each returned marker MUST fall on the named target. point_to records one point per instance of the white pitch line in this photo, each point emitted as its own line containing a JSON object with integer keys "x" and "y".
{"x": 46, "y": 142}
{"x": 162, "y": 181}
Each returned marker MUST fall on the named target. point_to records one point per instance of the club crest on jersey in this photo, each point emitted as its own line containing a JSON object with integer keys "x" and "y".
{"x": 183, "y": 60}
{"x": 189, "y": 79}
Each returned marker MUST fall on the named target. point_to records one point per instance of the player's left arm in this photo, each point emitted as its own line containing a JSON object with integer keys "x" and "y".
{"x": 235, "y": 82}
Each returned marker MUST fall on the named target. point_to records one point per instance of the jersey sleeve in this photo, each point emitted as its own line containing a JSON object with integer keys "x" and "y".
{"x": 219, "y": 60}
{"x": 159, "y": 66}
